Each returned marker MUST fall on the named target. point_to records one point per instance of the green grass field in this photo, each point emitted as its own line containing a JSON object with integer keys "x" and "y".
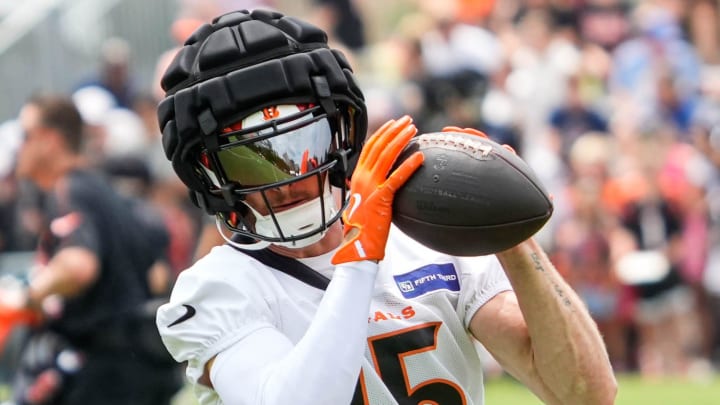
{"x": 632, "y": 391}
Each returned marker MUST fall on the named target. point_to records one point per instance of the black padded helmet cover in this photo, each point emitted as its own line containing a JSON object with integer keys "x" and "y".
{"x": 240, "y": 63}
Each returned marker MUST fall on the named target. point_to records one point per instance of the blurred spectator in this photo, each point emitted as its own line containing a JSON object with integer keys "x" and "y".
{"x": 540, "y": 62}
{"x": 450, "y": 64}
{"x": 704, "y": 30}
{"x": 583, "y": 242}
{"x": 114, "y": 130}
{"x": 707, "y": 140}
{"x": 19, "y": 219}
{"x": 404, "y": 56}
{"x": 343, "y": 20}
{"x": 695, "y": 198}
{"x": 97, "y": 343}
{"x": 20, "y": 214}
{"x": 131, "y": 177}
{"x": 656, "y": 73}
{"x": 500, "y": 119}
{"x": 604, "y": 22}
{"x": 474, "y": 11}
{"x": 124, "y": 134}
{"x": 650, "y": 262}
{"x": 574, "y": 118}
{"x": 622, "y": 81}
{"x": 94, "y": 102}
{"x": 120, "y": 136}
{"x": 114, "y": 73}
{"x": 582, "y": 251}
{"x": 454, "y": 49}
{"x": 593, "y": 71}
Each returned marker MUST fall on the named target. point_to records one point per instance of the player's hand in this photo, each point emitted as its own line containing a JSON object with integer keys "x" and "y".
{"x": 476, "y": 132}
{"x": 369, "y": 211}
{"x": 471, "y": 131}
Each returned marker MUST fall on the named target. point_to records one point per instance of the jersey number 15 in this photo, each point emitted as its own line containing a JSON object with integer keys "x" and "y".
{"x": 389, "y": 352}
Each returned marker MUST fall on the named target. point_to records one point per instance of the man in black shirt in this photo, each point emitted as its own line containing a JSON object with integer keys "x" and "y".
{"x": 91, "y": 283}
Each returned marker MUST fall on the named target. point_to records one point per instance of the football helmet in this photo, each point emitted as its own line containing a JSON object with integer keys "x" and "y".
{"x": 256, "y": 101}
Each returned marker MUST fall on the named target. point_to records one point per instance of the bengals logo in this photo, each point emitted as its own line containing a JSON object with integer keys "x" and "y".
{"x": 270, "y": 113}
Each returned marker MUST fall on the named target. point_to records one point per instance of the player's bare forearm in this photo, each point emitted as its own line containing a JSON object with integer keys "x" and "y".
{"x": 567, "y": 352}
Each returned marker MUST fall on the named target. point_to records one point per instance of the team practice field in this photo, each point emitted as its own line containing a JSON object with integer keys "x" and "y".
{"x": 633, "y": 391}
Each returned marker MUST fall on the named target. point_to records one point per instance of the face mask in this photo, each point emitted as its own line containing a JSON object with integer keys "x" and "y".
{"x": 298, "y": 220}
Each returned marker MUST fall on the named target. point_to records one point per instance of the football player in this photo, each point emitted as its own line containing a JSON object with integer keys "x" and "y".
{"x": 266, "y": 126}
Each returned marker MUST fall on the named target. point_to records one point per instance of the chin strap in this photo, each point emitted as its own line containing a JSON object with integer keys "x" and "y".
{"x": 259, "y": 245}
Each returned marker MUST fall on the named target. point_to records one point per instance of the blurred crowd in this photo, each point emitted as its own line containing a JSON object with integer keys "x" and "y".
{"x": 615, "y": 104}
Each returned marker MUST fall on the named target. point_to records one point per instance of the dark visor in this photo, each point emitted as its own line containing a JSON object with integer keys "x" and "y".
{"x": 278, "y": 158}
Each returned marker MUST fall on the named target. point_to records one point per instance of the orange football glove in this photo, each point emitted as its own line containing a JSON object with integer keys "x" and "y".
{"x": 477, "y": 132}
{"x": 369, "y": 212}
{"x": 471, "y": 131}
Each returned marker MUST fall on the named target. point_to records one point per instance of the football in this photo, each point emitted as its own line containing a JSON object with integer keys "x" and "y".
{"x": 471, "y": 196}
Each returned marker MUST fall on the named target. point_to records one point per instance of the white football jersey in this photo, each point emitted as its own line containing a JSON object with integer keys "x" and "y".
{"x": 418, "y": 347}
